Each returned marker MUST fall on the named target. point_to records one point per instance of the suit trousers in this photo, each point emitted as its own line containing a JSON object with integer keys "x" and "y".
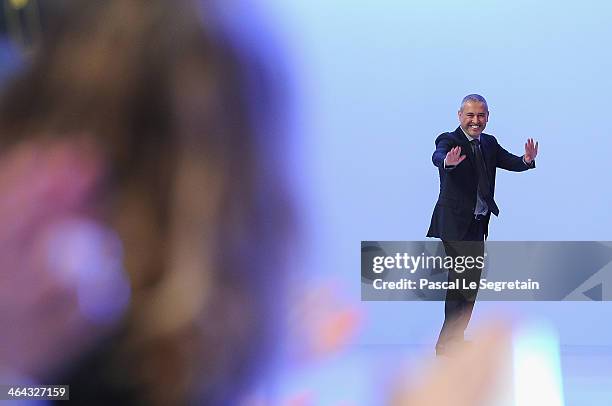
{"x": 459, "y": 302}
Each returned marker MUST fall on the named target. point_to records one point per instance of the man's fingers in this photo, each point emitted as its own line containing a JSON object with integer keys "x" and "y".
{"x": 531, "y": 147}
{"x": 454, "y": 157}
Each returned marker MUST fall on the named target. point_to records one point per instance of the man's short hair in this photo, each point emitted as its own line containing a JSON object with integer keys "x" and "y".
{"x": 473, "y": 98}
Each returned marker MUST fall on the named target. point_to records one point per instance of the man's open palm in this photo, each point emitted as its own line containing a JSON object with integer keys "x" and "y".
{"x": 454, "y": 157}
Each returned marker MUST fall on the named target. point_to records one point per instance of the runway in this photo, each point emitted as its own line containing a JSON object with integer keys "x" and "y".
{"x": 364, "y": 376}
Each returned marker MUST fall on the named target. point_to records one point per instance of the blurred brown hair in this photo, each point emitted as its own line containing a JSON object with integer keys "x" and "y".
{"x": 161, "y": 96}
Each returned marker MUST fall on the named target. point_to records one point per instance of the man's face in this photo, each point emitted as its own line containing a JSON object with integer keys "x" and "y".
{"x": 473, "y": 118}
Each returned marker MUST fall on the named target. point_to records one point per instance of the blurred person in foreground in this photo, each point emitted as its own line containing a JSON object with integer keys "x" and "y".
{"x": 141, "y": 218}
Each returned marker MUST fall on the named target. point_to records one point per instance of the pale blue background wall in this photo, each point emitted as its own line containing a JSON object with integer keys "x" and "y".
{"x": 374, "y": 82}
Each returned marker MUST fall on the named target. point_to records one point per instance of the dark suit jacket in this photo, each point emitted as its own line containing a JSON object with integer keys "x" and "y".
{"x": 454, "y": 209}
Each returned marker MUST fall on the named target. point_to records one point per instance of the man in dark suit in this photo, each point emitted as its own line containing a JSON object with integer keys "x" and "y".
{"x": 466, "y": 201}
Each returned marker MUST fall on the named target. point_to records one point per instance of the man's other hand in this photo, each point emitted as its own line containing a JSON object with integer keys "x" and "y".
{"x": 531, "y": 151}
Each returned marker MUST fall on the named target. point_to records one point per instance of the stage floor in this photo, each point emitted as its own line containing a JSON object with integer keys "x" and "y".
{"x": 364, "y": 376}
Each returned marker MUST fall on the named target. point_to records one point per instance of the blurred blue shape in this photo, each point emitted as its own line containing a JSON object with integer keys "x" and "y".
{"x": 89, "y": 257}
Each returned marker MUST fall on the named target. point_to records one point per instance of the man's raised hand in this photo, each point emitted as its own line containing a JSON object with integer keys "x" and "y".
{"x": 531, "y": 150}
{"x": 454, "y": 157}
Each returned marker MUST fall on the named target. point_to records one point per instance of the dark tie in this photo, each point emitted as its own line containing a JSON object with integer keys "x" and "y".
{"x": 484, "y": 187}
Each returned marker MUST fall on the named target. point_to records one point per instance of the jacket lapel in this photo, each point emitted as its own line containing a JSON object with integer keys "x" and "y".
{"x": 485, "y": 147}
